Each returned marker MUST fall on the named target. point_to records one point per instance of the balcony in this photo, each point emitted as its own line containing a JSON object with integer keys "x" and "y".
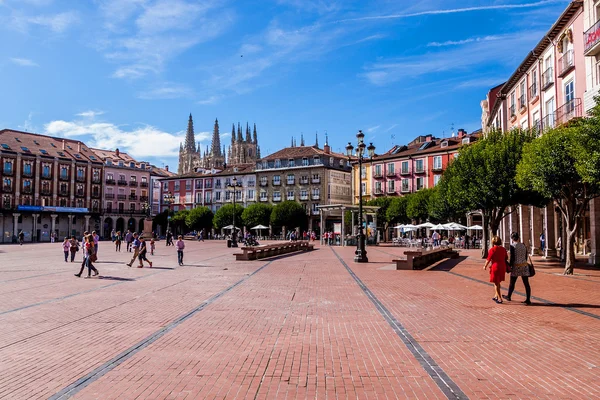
{"x": 109, "y": 196}
{"x": 290, "y": 198}
{"x": 437, "y": 167}
{"x": 316, "y": 180}
{"x": 8, "y": 172}
{"x": 419, "y": 170}
{"x": 208, "y": 201}
{"x": 304, "y": 197}
{"x": 522, "y": 102}
{"x": 133, "y": 197}
{"x": 133, "y": 183}
{"x": 548, "y": 122}
{"x": 276, "y": 199}
{"x": 566, "y": 63}
{"x": 264, "y": 183}
{"x": 7, "y": 189}
{"x": 391, "y": 190}
{"x": 571, "y": 109}
{"x": 110, "y": 181}
{"x": 264, "y": 199}
{"x": 591, "y": 40}
{"x": 79, "y": 194}
{"x": 63, "y": 178}
{"x": 144, "y": 184}
{"x": 45, "y": 192}
{"x": 276, "y": 183}
{"x": 80, "y": 179}
{"x": 46, "y": 176}
{"x": 316, "y": 196}
{"x": 124, "y": 183}
{"x": 304, "y": 181}
{"x": 96, "y": 181}
{"x": 121, "y": 197}
{"x": 533, "y": 92}
{"x": 63, "y": 193}
{"x": 405, "y": 189}
{"x": 143, "y": 198}
{"x": 27, "y": 190}
{"x": 27, "y": 174}
{"x": 390, "y": 174}
{"x": 378, "y": 191}
{"x": 547, "y": 78}
{"x": 291, "y": 183}
{"x": 95, "y": 195}
{"x": 377, "y": 174}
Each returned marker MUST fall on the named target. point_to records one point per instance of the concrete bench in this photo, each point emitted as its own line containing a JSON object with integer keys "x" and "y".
{"x": 421, "y": 259}
{"x": 272, "y": 250}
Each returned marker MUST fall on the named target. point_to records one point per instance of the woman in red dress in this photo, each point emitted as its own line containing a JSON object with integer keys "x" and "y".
{"x": 498, "y": 258}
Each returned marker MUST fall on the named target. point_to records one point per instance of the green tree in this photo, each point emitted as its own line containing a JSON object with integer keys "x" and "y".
{"x": 417, "y": 204}
{"x": 162, "y": 220}
{"x": 178, "y": 221}
{"x": 199, "y": 218}
{"x": 257, "y": 214}
{"x": 396, "y": 211}
{"x": 483, "y": 177}
{"x": 564, "y": 165}
{"x": 289, "y": 214}
{"x": 383, "y": 203}
{"x": 224, "y": 216}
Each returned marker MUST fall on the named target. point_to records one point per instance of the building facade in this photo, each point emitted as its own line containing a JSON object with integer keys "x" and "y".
{"x": 49, "y": 185}
{"x": 126, "y": 196}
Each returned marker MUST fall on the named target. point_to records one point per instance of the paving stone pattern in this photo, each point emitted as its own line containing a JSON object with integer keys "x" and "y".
{"x": 298, "y": 327}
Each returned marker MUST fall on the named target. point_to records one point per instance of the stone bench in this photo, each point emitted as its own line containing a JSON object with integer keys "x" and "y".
{"x": 421, "y": 259}
{"x": 272, "y": 250}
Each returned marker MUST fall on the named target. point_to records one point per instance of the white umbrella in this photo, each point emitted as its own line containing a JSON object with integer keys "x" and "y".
{"x": 410, "y": 226}
{"x": 230, "y": 227}
{"x": 425, "y": 225}
{"x": 458, "y": 226}
{"x": 401, "y": 226}
{"x": 475, "y": 228}
{"x": 259, "y": 228}
{"x": 439, "y": 227}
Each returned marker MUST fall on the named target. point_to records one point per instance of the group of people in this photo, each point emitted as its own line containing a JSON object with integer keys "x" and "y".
{"x": 513, "y": 262}
{"x": 89, "y": 243}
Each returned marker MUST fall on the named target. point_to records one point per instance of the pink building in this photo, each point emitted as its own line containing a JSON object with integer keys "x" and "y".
{"x": 126, "y": 191}
{"x": 418, "y": 165}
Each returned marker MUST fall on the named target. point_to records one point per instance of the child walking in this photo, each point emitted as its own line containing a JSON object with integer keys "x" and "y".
{"x": 180, "y": 245}
{"x": 66, "y": 245}
{"x": 142, "y": 253}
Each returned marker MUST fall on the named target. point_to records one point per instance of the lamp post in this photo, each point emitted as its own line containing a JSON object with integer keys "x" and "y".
{"x": 360, "y": 255}
{"x": 234, "y": 185}
{"x": 168, "y": 199}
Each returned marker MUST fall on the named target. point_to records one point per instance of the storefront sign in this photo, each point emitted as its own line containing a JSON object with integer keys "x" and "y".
{"x": 53, "y": 209}
{"x": 29, "y": 208}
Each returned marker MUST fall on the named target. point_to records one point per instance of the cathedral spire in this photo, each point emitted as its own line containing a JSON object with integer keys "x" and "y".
{"x": 255, "y": 136}
{"x": 215, "y": 147}
{"x": 190, "y": 141}
{"x": 317, "y": 140}
{"x": 301, "y": 139}
{"x": 292, "y": 145}
{"x": 248, "y": 137}
{"x": 232, "y": 133}
{"x": 239, "y": 133}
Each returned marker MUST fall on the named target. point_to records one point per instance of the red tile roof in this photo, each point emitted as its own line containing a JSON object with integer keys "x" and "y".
{"x": 300, "y": 151}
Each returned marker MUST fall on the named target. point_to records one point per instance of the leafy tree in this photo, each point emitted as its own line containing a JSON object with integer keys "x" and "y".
{"x": 417, "y": 204}
{"x": 564, "y": 165}
{"x": 162, "y": 220}
{"x": 383, "y": 203}
{"x": 224, "y": 216}
{"x": 396, "y": 211}
{"x": 257, "y": 214}
{"x": 483, "y": 178}
{"x": 178, "y": 220}
{"x": 199, "y": 218}
{"x": 289, "y": 214}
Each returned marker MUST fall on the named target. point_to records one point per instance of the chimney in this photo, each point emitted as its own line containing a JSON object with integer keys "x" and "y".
{"x": 327, "y": 149}
{"x": 117, "y": 152}
{"x": 79, "y": 147}
{"x": 428, "y": 138}
{"x": 64, "y": 145}
{"x": 167, "y": 168}
{"x": 461, "y": 133}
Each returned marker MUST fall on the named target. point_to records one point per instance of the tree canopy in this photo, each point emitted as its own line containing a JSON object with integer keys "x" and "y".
{"x": 224, "y": 216}
{"x": 257, "y": 214}
{"x": 417, "y": 205}
{"x": 199, "y": 218}
{"x": 289, "y": 214}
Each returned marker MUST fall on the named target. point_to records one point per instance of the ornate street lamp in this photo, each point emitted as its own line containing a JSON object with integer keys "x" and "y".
{"x": 234, "y": 185}
{"x": 360, "y": 255}
{"x": 169, "y": 199}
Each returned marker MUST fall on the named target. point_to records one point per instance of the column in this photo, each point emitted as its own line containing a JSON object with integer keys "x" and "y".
{"x": 17, "y": 180}
{"x": 70, "y": 224}
{"x": 537, "y": 225}
{"x": 55, "y": 175}
{"x": 34, "y": 226}
{"x": 343, "y": 239}
{"x": 469, "y": 219}
{"x": 525, "y": 232}
{"x": 36, "y": 182}
{"x": 550, "y": 233}
{"x": 321, "y": 227}
{"x": 15, "y": 224}
{"x": 53, "y": 224}
{"x": 594, "y": 231}
{"x": 378, "y": 235}
{"x": 87, "y": 223}
{"x": 72, "y": 175}
{"x": 514, "y": 220}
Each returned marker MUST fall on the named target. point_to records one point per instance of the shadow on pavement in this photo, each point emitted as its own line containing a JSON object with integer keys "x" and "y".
{"x": 449, "y": 264}
{"x": 115, "y": 278}
{"x": 158, "y": 267}
{"x": 566, "y": 305}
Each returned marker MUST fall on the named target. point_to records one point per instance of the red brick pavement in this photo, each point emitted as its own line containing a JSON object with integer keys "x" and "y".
{"x": 301, "y": 327}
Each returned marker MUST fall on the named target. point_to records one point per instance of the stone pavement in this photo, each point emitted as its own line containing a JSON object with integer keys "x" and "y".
{"x": 312, "y": 325}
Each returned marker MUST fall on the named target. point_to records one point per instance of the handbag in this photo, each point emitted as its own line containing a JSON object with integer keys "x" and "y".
{"x": 531, "y": 268}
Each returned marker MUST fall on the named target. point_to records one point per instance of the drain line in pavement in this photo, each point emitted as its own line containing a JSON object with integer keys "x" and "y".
{"x": 442, "y": 380}
{"x": 111, "y": 364}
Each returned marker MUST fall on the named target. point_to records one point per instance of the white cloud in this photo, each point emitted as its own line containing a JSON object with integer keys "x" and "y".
{"x": 23, "y": 62}
{"x": 166, "y": 91}
{"x": 373, "y": 129}
{"x": 210, "y": 100}
{"x": 453, "y": 11}
{"x": 58, "y": 23}
{"x": 465, "y": 41}
{"x": 90, "y": 114}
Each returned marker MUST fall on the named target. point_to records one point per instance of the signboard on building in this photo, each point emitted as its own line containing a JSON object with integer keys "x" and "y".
{"x": 53, "y": 209}
{"x": 340, "y": 187}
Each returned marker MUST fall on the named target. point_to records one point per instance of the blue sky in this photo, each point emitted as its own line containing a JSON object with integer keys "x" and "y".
{"x": 126, "y": 73}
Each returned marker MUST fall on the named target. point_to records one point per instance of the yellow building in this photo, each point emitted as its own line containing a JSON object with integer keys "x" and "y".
{"x": 363, "y": 180}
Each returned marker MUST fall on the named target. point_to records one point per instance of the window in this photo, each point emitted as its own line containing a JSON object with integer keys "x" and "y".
{"x": 208, "y": 183}
{"x": 198, "y": 183}
{"x": 570, "y": 96}
{"x": 331, "y": 161}
{"x": 436, "y": 179}
{"x": 218, "y": 183}
{"x": 277, "y": 180}
{"x": 304, "y": 179}
{"x": 437, "y": 162}
{"x": 8, "y": 167}
{"x": 79, "y": 189}
{"x": 5, "y": 146}
{"x": 227, "y": 195}
{"x": 142, "y": 166}
{"x": 188, "y": 185}
{"x": 277, "y": 196}
{"x": 133, "y": 178}
{"x": 80, "y": 173}
{"x": 364, "y": 188}
{"x": 305, "y": 162}
{"x": 444, "y": 144}
{"x": 522, "y": 95}
{"x": 18, "y": 140}
{"x": 290, "y": 195}
{"x": 291, "y": 162}
{"x": 303, "y": 195}
{"x": 378, "y": 187}
{"x": 43, "y": 152}
{"x": 263, "y": 181}
{"x": 25, "y": 149}
{"x": 177, "y": 186}
{"x": 378, "y": 170}
{"x": 27, "y": 169}
{"x": 341, "y": 163}
{"x": 7, "y": 184}
{"x": 363, "y": 172}
{"x": 27, "y": 186}
{"x": 533, "y": 89}
{"x": 405, "y": 167}
{"x": 316, "y": 160}
{"x": 405, "y": 185}
{"x": 263, "y": 196}
{"x": 549, "y": 120}
{"x": 420, "y": 183}
{"x": 391, "y": 188}
{"x": 316, "y": 178}
{"x": 466, "y": 140}
{"x": 165, "y": 185}
{"x": 121, "y": 163}
{"x": 278, "y": 163}
{"x": 218, "y": 196}
{"x": 390, "y": 169}
{"x": 251, "y": 194}
{"x": 513, "y": 106}
{"x": 64, "y": 172}
{"x": 46, "y": 171}
{"x": 419, "y": 166}
{"x": 291, "y": 179}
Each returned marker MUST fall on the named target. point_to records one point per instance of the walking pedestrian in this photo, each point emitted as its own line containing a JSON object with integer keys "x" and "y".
{"x": 128, "y": 240}
{"x": 66, "y": 248}
{"x": 135, "y": 246}
{"x": 142, "y": 253}
{"x": 21, "y": 238}
{"x": 74, "y": 247}
{"x": 542, "y": 242}
{"x": 113, "y": 235}
{"x": 180, "y": 245}
{"x": 52, "y": 237}
{"x": 96, "y": 240}
{"x": 497, "y": 259}
{"x": 519, "y": 268}
{"x": 169, "y": 238}
{"x": 88, "y": 257}
{"x": 118, "y": 240}
{"x": 152, "y": 246}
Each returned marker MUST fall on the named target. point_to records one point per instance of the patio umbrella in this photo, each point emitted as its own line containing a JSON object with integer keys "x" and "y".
{"x": 259, "y": 228}
{"x": 439, "y": 227}
{"x": 401, "y": 226}
{"x": 425, "y": 225}
{"x": 231, "y": 227}
{"x": 475, "y": 228}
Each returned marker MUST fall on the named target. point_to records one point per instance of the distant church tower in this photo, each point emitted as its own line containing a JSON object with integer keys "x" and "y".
{"x": 242, "y": 150}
